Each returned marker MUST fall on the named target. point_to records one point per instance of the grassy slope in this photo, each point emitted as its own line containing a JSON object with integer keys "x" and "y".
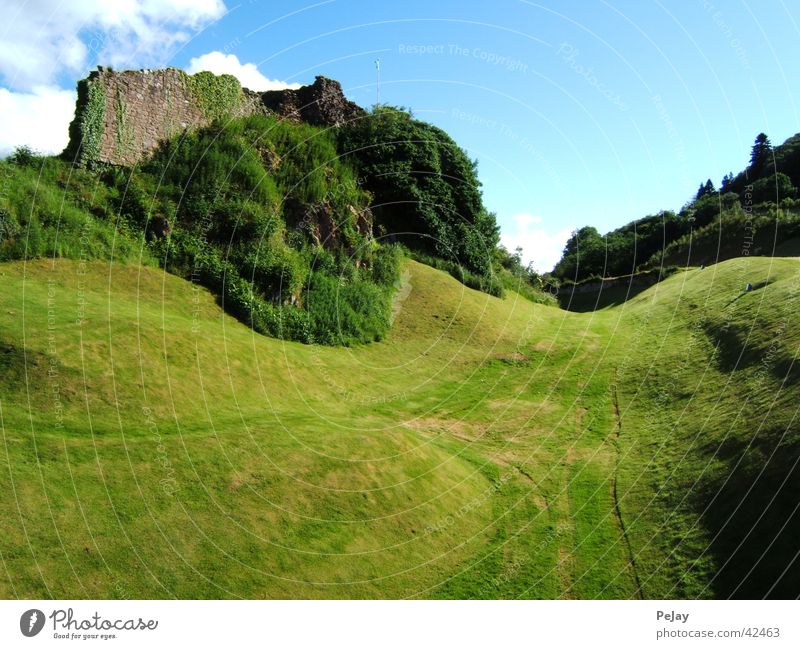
{"x": 474, "y": 453}
{"x": 709, "y": 399}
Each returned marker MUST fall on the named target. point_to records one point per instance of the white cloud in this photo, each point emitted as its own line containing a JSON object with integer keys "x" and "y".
{"x": 247, "y": 73}
{"x": 525, "y": 220}
{"x": 38, "y": 119}
{"x": 538, "y": 246}
{"x": 45, "y": 38}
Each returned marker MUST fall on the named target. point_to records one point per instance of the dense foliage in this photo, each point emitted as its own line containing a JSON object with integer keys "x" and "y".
{"x": 275, "y": 217}
{"x": 762, "y": 231}
{"x": 713, "y": 222}
{"x": 262, "y": 212}
{"x": 588, "y": 253}
{"x": 425, "y": 188}
{"x": 39, "y": 217}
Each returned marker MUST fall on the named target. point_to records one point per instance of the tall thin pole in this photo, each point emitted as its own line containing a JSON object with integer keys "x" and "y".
{"x": 377, "y": 82}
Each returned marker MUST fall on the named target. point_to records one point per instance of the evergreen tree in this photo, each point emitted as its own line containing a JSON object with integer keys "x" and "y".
{"x": 705, "y": 189}
{"x": 761, "y": 153}
{"x": 699, "y": 193}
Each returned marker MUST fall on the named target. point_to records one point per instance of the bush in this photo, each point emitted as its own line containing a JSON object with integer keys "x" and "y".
{"x": 346, "y": 313}
{"x": 44, "y": 213}
{"x": 386, "y": 262}
{"x": 278, "y": 271}
{"x": 426, "y": 191}
{"x": 24, "y": 156}
{"x": 253, "y": 201}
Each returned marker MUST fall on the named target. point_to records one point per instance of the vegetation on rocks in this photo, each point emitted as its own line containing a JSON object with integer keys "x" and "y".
{"x": 217, "y": 95}
{"x": 278, "y": 218}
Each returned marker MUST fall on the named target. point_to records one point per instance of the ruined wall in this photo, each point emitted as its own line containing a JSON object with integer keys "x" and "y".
{"x": 121, "y": 117}
{"x": 322, "y": 103}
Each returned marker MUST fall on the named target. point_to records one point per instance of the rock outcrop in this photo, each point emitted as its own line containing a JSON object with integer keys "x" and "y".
{"x": 322, "y": 103}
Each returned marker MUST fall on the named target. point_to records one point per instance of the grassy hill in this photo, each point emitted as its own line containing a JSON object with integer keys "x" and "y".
{"x": 154, "y": 446}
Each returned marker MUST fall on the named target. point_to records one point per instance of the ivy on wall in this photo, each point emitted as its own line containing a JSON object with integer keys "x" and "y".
{"x": 93, "y": 122}
{"x": 216, "y": 96}
{"x": 125, "y": 139}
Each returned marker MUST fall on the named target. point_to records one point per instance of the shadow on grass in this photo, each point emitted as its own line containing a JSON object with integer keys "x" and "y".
{"x": 754, "y": 287}
{"x": 735, "y": 352}
{"x": 753, "y": 518}
{"x": 599, "y": 298}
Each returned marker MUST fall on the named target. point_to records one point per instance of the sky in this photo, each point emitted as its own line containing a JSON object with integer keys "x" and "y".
{"x": 579, "y": 112}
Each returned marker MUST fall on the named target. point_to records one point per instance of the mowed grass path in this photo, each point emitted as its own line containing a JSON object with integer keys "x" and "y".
{"x": 154, "y": 447}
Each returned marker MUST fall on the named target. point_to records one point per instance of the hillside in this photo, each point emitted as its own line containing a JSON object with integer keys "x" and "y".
{"x": 156, "y": 447}
{"x": 285, "y": 222}
{"x": 756, "y": 212}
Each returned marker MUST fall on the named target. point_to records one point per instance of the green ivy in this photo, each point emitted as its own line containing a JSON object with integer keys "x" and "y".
{"x": 217, "y": 96}
{"x": 124, "y": 130}
{"x": 92, "y": 122}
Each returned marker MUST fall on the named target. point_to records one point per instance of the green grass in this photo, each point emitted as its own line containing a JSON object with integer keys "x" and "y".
{"x": 49, "y": 209}
{"x": 472, "y": 453}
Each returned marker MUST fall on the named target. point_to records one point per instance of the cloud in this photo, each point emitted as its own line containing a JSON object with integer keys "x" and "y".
{"x": 538, "y": 246}
{"x": 45, "y": 41}
{"x": 38, "y": 118}
{"x": 525, "y": 220}
{"x": 46, "y": 38}
{"x": 247, "y": 73}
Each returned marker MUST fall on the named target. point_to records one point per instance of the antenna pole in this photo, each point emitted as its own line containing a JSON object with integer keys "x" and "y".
{"x": 377, "y": 82}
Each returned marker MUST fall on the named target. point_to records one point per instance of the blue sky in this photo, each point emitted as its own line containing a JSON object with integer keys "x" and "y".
{"x": 578, "y": 112}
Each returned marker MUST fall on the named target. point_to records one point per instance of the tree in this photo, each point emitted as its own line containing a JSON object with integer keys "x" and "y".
{"x": 706, "y": 189}
{"x": 727, "y": 179}
{"x": 699, "y": 193}
{"x": 761, "y": 153}
{"x": 584, "y": 255}
{"x": 773, "y": 189}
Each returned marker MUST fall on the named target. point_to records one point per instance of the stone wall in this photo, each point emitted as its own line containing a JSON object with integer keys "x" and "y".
{"x": 121, "y": 117}
{"x": 643, "y": 280}
{"x": 320, "y": 104}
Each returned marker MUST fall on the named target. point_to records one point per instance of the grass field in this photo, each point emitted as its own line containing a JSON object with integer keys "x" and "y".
{"x": 154, "y": 447}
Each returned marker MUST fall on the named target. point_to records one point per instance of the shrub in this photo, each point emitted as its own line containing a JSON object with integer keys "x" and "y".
{"x": 251, "y": 199}
{"x": 24, "y": 156}
{"x": 423, "y": 184}
{"x": 386, "y": 262}
{"x": 346, "y": 313}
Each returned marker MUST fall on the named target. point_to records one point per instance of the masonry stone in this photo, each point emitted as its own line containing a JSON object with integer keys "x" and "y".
{"x": 122, "y": 117}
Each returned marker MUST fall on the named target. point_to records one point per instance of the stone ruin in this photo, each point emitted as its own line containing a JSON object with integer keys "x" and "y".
{"x": 122, "y": 117}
